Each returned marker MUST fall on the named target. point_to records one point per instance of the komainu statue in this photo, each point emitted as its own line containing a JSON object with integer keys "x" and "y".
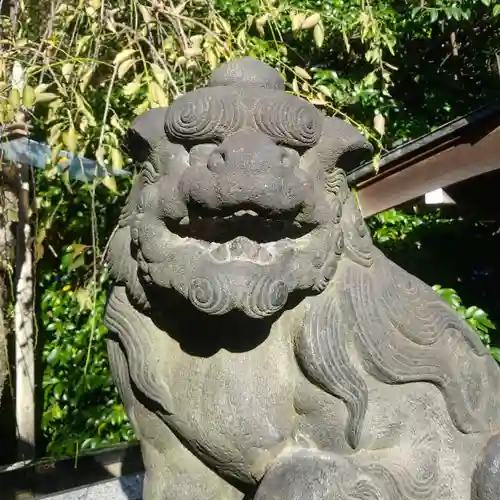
{"x": 263, "y": 347}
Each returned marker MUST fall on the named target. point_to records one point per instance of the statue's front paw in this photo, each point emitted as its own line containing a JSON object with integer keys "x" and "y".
{"x": 486, "y": 478}
{"x": 312, "y": 475}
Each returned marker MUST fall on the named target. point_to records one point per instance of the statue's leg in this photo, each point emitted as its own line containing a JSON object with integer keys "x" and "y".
{"x": 172, "y": 471}
{"x": 312, "y": 475}
{"x": 306, "y": 474}
{"x": 486, "y": 479}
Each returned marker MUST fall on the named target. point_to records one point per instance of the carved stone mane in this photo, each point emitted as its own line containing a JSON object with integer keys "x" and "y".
{"x": 263, "y": 347}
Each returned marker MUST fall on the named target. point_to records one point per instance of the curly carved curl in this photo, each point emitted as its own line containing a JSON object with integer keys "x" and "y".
{"x": 203, "y": 115}
{"x": 289, "y": 119}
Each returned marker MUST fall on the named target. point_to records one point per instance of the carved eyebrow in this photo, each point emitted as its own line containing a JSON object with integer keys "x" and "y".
{"x": 289, "y": 119}
{"x": 205, "y": 114}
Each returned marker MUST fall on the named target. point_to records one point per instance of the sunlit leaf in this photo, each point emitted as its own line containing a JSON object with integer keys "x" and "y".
{"x": 302, "y": 73}
{"x": 311, "y": 21}
{"x": 123, "y": 56}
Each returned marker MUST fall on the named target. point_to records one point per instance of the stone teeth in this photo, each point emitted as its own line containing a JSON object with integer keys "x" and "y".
{"x": 245, "y": 212}
{"x": 184, "y": 221}
{"x": 220, "y": 253}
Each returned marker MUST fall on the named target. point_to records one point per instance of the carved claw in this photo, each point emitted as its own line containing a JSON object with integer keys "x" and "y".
{"x": 486, "y": 478}
{"x": 313, "y": 475}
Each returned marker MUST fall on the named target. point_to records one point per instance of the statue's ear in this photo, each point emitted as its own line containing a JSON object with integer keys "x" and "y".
{"x": 144, "y": 132}
{"x": 343, "y": 146}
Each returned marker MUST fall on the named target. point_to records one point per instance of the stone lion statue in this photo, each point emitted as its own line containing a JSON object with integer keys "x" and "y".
{"x": 263, "y": 347}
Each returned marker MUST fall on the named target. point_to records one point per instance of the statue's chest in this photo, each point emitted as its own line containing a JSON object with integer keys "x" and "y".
{"x": 239, "y": 403}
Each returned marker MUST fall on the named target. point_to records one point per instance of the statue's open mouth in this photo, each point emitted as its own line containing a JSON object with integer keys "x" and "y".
{"x": 225, "y": 226}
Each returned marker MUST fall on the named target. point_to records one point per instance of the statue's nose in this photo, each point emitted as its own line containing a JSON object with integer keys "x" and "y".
{"x": 248, "y": 169}
{"x": 251, "y": 169}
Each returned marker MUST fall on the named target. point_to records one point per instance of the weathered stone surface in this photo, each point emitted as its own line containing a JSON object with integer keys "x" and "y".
{"x": 263, "y": 347}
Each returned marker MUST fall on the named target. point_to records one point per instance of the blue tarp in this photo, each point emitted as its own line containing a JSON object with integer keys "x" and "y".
{"x": 38, "y": 155}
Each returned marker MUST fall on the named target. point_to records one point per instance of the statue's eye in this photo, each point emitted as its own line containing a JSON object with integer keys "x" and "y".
{"x": 289, "y": 158}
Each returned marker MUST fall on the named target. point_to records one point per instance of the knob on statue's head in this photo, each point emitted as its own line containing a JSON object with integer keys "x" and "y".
{"x": 247, "y": 71}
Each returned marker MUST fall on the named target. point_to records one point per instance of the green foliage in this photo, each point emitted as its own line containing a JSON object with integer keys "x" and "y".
{"x": 81, "y": 406}
{"x": 394, "y": 70}
{"x": 401, "y": 234}
{"x": 82, "y": 409}
{"x": 476, "y": 317}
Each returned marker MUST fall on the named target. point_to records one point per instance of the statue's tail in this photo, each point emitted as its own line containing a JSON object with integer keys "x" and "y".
{"x": 486, "y": 478}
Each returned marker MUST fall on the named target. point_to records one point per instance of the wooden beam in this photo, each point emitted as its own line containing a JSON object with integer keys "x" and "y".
{"x": 457, "y": 163}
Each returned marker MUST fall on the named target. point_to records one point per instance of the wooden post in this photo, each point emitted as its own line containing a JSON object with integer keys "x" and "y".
{"x": 24, "y": 316}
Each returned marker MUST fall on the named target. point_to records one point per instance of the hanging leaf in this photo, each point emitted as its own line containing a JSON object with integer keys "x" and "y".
{"x": 346, "y": 41}
{"x": 325, "y": 90}
{"x": 225, "y": 25}
{"x": 70, "y": 139}
{"x": 29, "y": 97}
{"x": 15, "y": 98}
{"x": 261, "y": 22}
{"x": 67, "y": 71}
{"x": 297, "y": 21}
{"x": 302, "y": 73}
{"x": 370, "y": 79}
{"x": 116, "y": 159}
{"x": 379, "y": 123}
{"x": 99, "y": 155}
{"x": 124, "y": 67}
{"x": 158, "y": 73}
{"x": 123, "y": 56}
{"x": 45, "y": 97}
{"x": 211, "y": 58}
{"x": 146, "y": 15}
{"x": 311, "y": 21}
{"x": 133, "y": 87}
{"x": 319, "y": 35}
{"x": 84, "y": 108}
{"x": 110, "y": 183}
{"x": 85, "y": 79}
{"x": 192, "y": 52}
{"x": 180, "y": 8}
{"x": 157, "y": 96}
